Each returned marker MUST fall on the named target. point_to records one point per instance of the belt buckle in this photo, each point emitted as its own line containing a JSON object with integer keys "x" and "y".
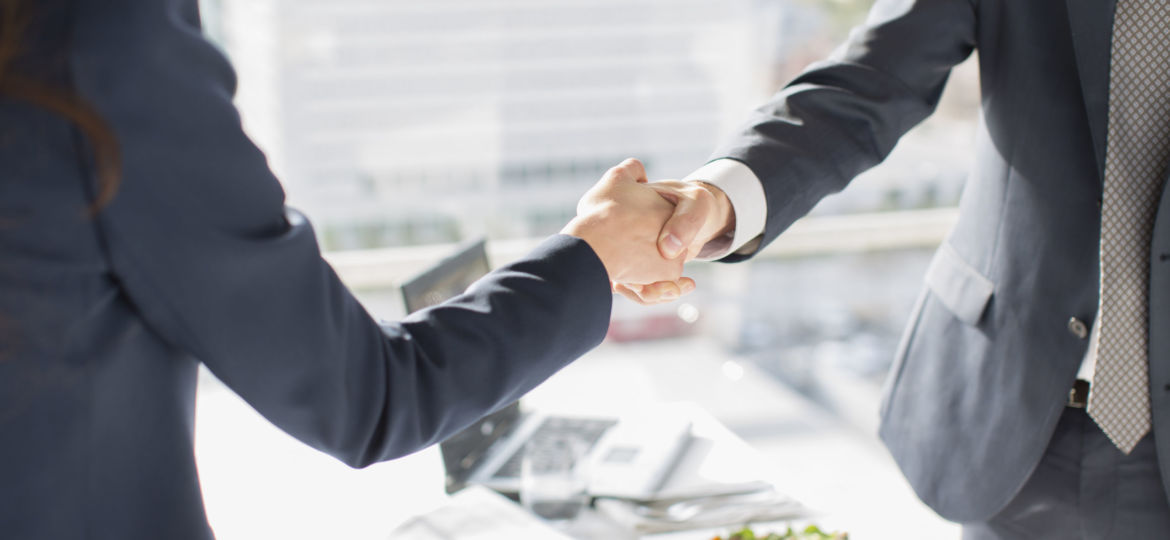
{"x": 1078, "y": 395}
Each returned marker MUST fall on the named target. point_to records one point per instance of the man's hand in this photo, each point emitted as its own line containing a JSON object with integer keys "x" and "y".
{"x": 701, "y": 224}
{"x": 702, "y": 215}
{"x": 621, "y": 218}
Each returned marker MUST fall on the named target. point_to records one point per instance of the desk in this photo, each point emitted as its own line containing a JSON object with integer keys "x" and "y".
{"x": 835, "y": 468}
{"x": 260, "y": 483}
{"x": 714, "y": 456}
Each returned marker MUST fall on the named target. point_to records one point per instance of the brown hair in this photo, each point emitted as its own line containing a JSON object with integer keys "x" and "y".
{"x": 14, "y": 19}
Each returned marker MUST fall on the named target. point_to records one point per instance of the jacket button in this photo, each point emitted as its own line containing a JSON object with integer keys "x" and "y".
{"x": 1078, "y": 328}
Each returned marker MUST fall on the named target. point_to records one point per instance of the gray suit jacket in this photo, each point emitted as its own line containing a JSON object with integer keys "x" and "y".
{"x": 104, "y": 321}
{"x": 987, "y": 360}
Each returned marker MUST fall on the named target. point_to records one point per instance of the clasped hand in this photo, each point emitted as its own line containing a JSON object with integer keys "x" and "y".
{"x": 643, "y": 232}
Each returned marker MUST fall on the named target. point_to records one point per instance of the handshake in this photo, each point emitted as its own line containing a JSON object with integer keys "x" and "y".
{"x": 643, "y": 232}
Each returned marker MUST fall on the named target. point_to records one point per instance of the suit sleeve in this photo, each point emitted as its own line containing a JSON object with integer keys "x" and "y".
{"x": 844, "y": 115}
{"x": 206, "y": 250}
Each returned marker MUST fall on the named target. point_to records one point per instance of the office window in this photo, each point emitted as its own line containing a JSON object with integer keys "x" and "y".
{"x": 396, "y": 125}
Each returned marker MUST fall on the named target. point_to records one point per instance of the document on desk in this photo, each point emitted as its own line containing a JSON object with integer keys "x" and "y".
{"x": 733, "y": 507}
{"x": 476, "y": 513}
{"x": 716, "y": 484}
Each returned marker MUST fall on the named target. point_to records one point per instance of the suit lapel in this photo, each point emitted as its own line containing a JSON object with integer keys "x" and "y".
{"x": 1091, "y": 23}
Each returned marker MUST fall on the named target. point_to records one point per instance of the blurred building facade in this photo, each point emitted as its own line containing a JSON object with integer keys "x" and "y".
{"x": 399, "y": 123}
{"x": 396, "y": 123}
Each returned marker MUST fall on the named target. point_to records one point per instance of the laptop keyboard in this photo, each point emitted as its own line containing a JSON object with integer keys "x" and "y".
{"x": 588, "y": 430}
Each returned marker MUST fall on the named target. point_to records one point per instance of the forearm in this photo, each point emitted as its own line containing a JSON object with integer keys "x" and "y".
{"x": 843, "y": 116}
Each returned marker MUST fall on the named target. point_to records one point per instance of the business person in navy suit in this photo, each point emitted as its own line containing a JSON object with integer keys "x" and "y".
{"x": 141, "y": 233}
{"x": 1053, "y": 286}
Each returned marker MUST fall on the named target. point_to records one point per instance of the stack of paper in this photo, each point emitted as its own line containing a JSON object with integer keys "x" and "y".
{"x": 477, "y": 513}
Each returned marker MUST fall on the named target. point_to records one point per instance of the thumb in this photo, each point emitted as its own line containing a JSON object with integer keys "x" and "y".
{"x": 681, "y": 229}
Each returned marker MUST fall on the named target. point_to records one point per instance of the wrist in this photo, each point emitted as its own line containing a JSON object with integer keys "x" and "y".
{"x": 586, "y": 229}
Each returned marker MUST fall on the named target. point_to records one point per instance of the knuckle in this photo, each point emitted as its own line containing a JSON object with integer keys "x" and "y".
{"x": 636, "y": 168}
{"x": 704, "y": 195}
{"x": 642, "y": 297}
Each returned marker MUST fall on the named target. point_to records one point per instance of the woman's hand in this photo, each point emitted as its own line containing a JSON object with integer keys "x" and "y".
{"x": 621, "y": 218}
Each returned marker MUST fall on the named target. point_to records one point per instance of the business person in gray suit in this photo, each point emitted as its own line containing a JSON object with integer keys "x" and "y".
{"x": 1056, "y": 272}
{"x": 116, "y": 282}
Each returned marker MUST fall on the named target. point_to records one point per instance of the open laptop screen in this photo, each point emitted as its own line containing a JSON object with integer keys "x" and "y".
{"x": 447, "y": 278}
{"x": 444, "y": 280}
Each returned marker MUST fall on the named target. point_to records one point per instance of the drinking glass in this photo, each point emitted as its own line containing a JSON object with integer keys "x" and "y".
{"x": 554, "y": 477}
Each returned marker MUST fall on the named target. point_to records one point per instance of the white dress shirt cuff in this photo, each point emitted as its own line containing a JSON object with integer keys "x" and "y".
{"x": 1089, "y": 362}
{"x": 746, "y": 194}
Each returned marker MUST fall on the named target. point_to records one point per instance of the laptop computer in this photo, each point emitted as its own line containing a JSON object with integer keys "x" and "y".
{"x": 627, "y": 457}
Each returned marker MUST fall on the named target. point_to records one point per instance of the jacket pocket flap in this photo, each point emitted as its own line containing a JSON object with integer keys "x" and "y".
{"x": 961, "y": 288}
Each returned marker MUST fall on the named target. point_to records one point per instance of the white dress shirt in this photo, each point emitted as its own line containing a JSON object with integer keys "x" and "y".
{"x": 746, "y": 194}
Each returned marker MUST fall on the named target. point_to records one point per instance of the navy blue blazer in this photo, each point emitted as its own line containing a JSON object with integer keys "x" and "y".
{"x": 994, "y": 344}
{"x": 104, "y": 320}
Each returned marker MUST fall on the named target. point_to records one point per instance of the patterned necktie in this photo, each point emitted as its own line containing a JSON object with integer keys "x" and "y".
{"x": 1136, "y": 155}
